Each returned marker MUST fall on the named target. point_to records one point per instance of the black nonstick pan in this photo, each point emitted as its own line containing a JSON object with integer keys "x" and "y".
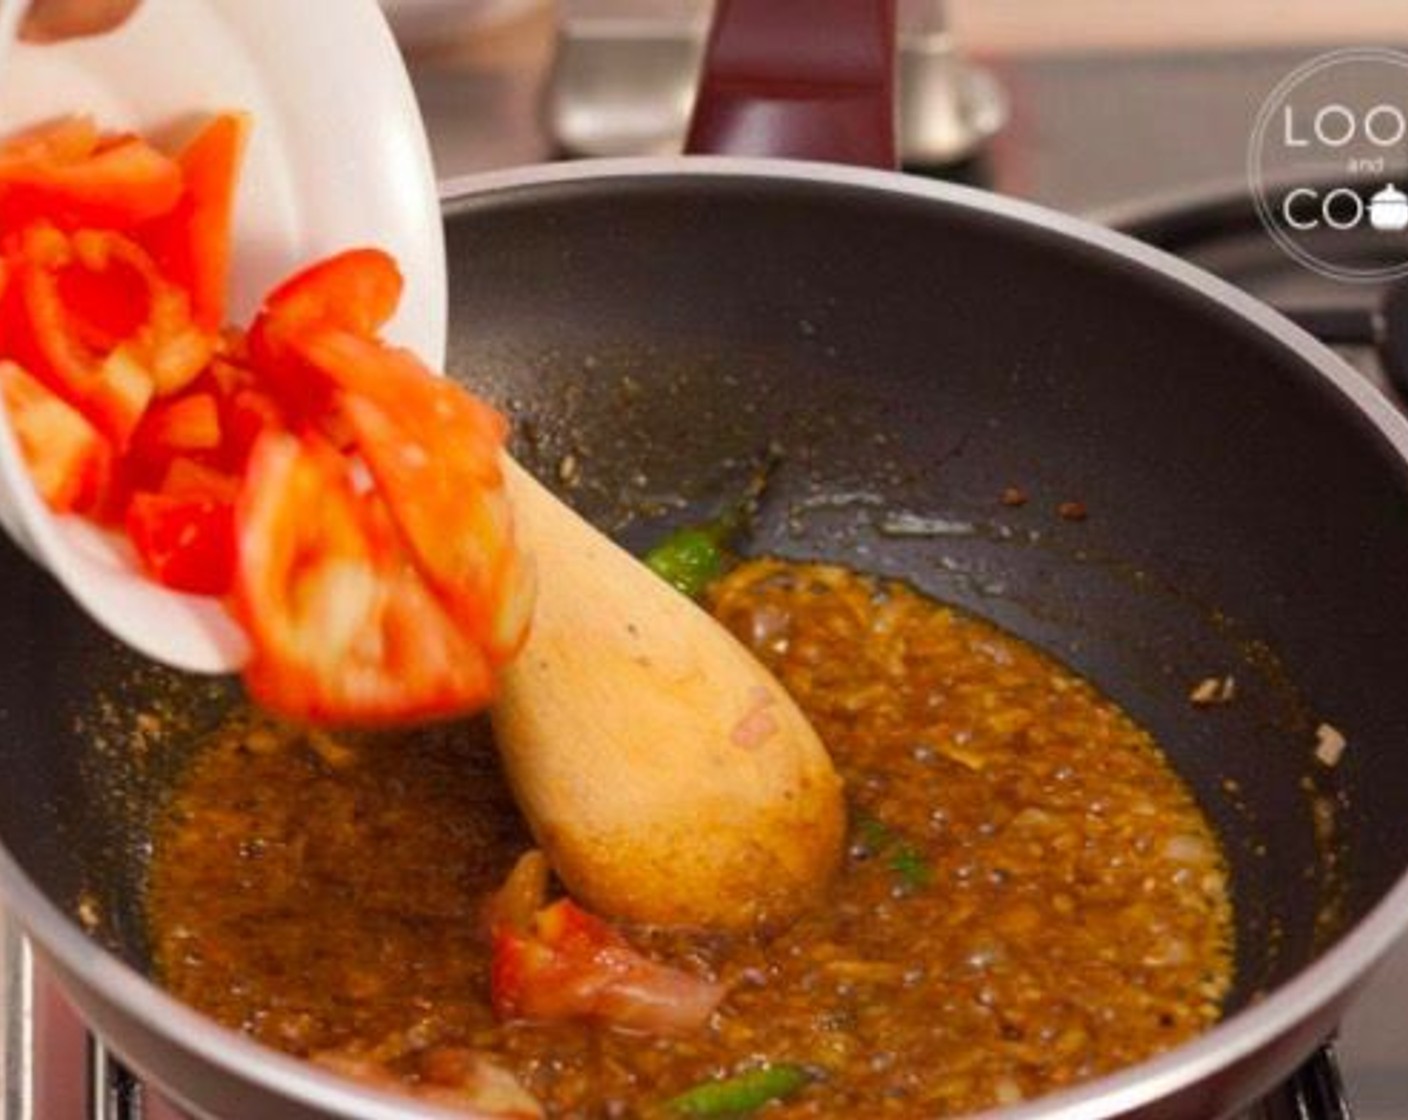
{"x": 1210, "y": 493}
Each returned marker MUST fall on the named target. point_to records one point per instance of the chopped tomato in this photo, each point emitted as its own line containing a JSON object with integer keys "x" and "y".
{"x": 348, "y": 500}
{"x": 116, "y": 184}
{"x": 186, "y": 541}
{"x": 184, "y": 425}
{"x": 357, "y": 290}
{"x": 95, "y": 321}
{"x": 67, "y": 458}
{"x": 341, "y": 625}
{"x": 9, "y": 307}
{"x": 246, "y": 407}
{"x": 247, "y": 413}
{"x": 434, "y": 452}
{"x": 190, "y": 478}
{"x": 572, "y": 965}
{"x": 166, "y": 341}
{"x": 107, "y": 299}
{"x": 64, "y": 140}
{"x": 191, "y": 243}
{"x": 110, "y": 394}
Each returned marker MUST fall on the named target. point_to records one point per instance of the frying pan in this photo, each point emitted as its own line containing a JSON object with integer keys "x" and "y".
{"x": 909, "y": 350}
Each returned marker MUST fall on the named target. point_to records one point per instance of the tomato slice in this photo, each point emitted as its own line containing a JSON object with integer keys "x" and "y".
{"x": 246, "y": 408}
{"x": 185, "y": 540}
{"x": 343, "y": 629}
{"x": 185, "y": 423}
{"x": 68, "y": 459}
{"x": 190, "y": 478}
{"x": 572, "y": 965}
{"x": 64, "y": 140}
{"x": 44, "y": 338}
{"x": 168, "y": 344}
{"x": 248, "y": 412}
{"x": 357, "y": 290}
{"x": 116, "y": 184}
{"x": 191, "y": 243}
{"x": 375, "y": 588}
{"x": 107, "y": 299}
{"x": 93, "y": 319}
{"x": 433, "y": 450}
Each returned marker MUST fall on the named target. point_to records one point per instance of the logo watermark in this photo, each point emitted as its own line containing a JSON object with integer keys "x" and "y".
{"x": 1327, "y": 161}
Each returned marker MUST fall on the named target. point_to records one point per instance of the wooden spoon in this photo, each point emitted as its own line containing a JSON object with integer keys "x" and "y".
{"x": 665, "y": 772}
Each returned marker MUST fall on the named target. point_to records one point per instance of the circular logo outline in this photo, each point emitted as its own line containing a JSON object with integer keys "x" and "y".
{"x": 1257, "y": 180}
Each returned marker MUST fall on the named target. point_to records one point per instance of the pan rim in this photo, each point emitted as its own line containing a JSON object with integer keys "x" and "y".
{"x": 1330, "y": 978}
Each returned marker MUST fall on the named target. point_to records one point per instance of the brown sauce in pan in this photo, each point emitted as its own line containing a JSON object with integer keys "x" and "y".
{"x": 1031, "y": 896}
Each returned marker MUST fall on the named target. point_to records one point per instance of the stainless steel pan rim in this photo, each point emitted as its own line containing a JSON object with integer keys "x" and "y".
{"x": 1329, "y": 978}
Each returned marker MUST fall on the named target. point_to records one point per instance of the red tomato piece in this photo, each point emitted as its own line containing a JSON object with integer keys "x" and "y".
{"x": 9, "y": 313}
{"x": 186, "y": 542}
{"x": 43, "y": 337}
{"x": 246, "y": 409}
{"x": 572, "y": 965}
{"x": 175, "y": 426}
{"x": 191, "y": 243}
{"x": 65, "y": 140}
{"x": 190, "y": 422}
{"x": 433, "y": 450}
{"x": 189, "y": 478}
{"x": 343, "y": 629}
{"x": 67, "y": 458}
{"x": 117, "y": 184}
{"x": 106, "y": 304}
{"x": 186, "y": 423}
{"x": 169, "y": 345}
{"x": 75, "y": 348}
{"x": 367, "y": 600}
{"x": 248, "y": 413}
{"x": 357, "y": 290}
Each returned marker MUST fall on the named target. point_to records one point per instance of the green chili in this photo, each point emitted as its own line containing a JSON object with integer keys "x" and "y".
{"x": 903, "y": 858}
{"x": 743, "y": 1093}
{"x": 689, "y": 559}
{"x": 692, "y": 557}
{"x": 909, "y": 864}
{"x": 874, "y": 833}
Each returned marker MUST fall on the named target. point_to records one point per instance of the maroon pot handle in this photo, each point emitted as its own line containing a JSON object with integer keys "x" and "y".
{"x": 808, "y": 79}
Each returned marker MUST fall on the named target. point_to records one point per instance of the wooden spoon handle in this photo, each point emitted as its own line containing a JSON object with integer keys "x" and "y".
{"x": 666, "y": 773}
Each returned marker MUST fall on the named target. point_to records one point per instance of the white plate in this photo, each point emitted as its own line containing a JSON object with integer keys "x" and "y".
{"x": 337, "y": 157}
